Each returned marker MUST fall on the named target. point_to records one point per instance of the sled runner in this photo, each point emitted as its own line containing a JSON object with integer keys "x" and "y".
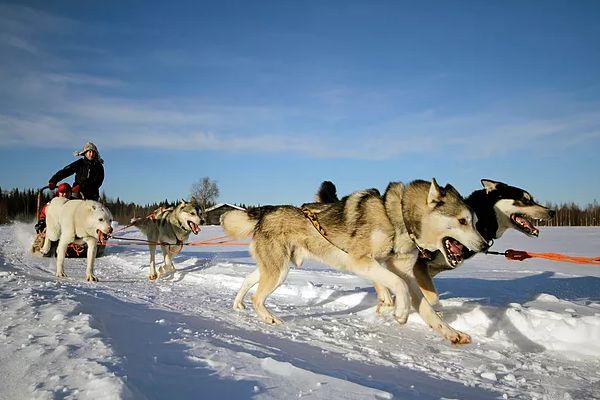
{"x": 73, "y": 251}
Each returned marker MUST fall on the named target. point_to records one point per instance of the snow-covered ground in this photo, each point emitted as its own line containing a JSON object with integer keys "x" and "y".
{"x": 535, "y": 326}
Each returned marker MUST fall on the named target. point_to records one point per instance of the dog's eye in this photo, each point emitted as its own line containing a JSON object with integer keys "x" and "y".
{"x": 462, "y": 221}
{"x": 101, "y": 219}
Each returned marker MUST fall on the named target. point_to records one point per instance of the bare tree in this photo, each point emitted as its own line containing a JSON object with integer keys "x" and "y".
{"x": 205, "y": 192}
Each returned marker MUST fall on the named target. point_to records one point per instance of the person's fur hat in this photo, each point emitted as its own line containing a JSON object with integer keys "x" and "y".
{"x": 86, "y": 147}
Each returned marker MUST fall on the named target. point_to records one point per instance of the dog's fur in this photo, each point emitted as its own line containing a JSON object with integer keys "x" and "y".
{"x": 498, "y": 207}
{"x": 361, "y": 231}
{"x": 78, "y": 221}
{"x": 169, "y": 228}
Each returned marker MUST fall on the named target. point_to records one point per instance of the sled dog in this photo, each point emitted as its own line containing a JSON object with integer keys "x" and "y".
{"x": 169, "y": 228}
{"x": 78, "y": 221}
{"x": 358, "y": 235}
{"x": 498, "y": 207}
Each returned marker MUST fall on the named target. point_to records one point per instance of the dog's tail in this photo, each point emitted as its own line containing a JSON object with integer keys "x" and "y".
{"x": 327, "y": 193}
{"x": 237, "y": 224}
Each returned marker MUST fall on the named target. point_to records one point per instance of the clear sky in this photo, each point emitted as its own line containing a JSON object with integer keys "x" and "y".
{"x": 269, "y": 98}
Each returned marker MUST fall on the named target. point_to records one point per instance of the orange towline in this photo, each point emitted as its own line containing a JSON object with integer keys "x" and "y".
{"x": 520, "y": 255}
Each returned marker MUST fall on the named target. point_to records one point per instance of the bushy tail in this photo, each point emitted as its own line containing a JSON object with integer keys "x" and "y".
{"x": 327, "y": 193}
{"x": 237, "y": 224}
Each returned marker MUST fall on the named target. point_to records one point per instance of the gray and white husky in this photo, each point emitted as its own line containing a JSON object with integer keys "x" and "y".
{"x": 376, "y": 237}
{"x": 169, "y": 228}
{"x": 498, "y": 207}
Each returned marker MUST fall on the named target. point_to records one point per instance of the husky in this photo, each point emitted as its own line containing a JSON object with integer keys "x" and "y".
{"x": 169, "y": 228}
{"x": 76, "y": 221}
{"x": 358, "y": 235}
{"x": 498, "y": 207}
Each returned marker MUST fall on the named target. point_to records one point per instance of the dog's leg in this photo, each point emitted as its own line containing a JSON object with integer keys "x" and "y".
{"x": 61, "y": 251}
{"x": 45, "y": 249}
{"x": 168, "y": 252}
{"x": 249, "y": 282}
{"x": 370, "y": 269}
{"x": 386, "y": 301}
{"x": 91, "y": 257}
{"x": 51, "y": 234}
{"x": 273, "y": 264}
{"x": 164, "y": 269}
{"x": 405, "y": 267}
{"x": 173, "y": 251}
{"x": 153, "y": 275}
{"x": 425, "y": 281}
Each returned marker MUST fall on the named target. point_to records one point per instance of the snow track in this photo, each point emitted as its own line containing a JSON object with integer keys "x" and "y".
{"x": 535, "y": 327}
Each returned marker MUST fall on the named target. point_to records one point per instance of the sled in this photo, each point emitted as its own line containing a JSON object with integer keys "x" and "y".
{"x": 74, "y": 250}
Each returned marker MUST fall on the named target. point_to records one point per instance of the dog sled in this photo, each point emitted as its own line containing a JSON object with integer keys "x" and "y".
{"x": 74, "y": 250}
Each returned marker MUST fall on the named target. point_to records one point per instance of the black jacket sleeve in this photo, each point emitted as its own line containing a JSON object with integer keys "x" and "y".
{"x": 66, "y": 171}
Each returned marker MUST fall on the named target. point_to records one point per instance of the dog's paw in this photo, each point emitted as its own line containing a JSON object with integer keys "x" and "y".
{"x": 162, "y": 273}
{"x": 402, "y": 308}
{"x": 239, "y": 305}
{"x": 458, "y": 337}
{"x": 91, "y": 278}
{"x": 401, "y": 318}
{"x": 61, "y": 275}
{"x": 153, "y": 276}
{"x": 273, "y": 320}
{"x": 384, "y": 306}
{"x": 165, "y": 270}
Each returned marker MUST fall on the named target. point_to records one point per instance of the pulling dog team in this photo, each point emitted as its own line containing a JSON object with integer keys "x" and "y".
{"x": 398, "y": 240}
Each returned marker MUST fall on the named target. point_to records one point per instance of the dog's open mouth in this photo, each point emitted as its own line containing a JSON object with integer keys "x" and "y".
{"x": 455, "y": 251}
{"x": 102, "y": 237}
{"x": 524, "y": 224}
{"x": 195, "y": 228}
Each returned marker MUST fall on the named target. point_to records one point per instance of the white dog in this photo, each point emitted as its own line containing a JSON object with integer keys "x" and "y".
{"x": 79, "y": 221}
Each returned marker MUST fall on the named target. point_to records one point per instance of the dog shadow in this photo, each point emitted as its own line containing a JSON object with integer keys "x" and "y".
{"x": 181, "y": 272}
{"x": 501, "y": 293}
{"x": 204, "y": 260}
{"x": 369, "y": 300}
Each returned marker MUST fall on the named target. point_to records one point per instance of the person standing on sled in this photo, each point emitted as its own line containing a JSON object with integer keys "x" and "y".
{"x": 89, "y": 173}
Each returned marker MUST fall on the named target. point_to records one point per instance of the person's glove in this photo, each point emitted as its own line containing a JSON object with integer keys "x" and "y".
{"x": 40, "y": 226}
{"x": 51, "y": 185}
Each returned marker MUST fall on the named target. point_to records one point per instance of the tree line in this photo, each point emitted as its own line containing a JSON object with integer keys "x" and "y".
{"x": 572, "y": 215}
{"x": 21, "y": 205}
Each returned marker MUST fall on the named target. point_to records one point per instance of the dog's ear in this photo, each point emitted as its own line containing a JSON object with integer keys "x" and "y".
{"x": 489, "y": 185}
{"x": 436, "y": 194}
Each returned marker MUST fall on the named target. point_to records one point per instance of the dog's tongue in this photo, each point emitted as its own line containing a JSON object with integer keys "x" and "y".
{"x": 456, "y": 247}
{"x": 525, "y": 222}
{"x": 100, "y": 236}
{"x": 194, "y": 227}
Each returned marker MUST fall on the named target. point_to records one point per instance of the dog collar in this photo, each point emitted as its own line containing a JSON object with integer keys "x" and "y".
{"x": 423, "y": 252}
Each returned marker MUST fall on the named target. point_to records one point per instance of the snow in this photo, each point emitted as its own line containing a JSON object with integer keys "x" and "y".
{"x": 535, "y": 326}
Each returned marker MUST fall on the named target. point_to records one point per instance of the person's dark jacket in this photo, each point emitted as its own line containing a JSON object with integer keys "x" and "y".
{"x": 89, "y": 176}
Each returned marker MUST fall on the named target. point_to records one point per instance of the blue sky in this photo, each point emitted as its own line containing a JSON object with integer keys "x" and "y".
{"x": 269, "y": 98}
